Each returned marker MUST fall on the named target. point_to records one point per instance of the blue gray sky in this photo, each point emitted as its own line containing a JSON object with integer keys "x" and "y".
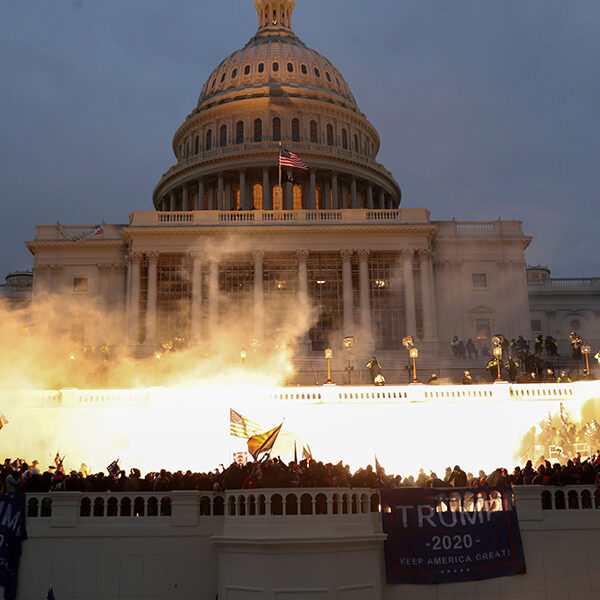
{"x": 485, "y": 109}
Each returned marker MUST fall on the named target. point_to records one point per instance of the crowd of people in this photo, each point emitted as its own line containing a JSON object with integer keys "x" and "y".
{"x": 521, "y": 365}
{"x": 19, "y": 475}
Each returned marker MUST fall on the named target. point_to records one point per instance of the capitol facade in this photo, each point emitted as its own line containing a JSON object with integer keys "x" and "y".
{"x": 231, "y": 238}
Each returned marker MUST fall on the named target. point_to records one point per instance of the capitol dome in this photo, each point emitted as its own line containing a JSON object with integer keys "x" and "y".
{"x": 273, "y": 91}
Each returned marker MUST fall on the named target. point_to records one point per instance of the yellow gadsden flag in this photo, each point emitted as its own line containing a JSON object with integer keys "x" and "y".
{"x": 263, "y": 442}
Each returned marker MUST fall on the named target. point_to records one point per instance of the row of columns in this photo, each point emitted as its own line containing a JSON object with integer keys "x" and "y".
{"x": 335, "y": 188}
{"x": 201, "y": 260}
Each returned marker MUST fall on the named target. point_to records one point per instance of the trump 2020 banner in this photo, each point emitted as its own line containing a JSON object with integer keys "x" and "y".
{"x": 445, "y": 535}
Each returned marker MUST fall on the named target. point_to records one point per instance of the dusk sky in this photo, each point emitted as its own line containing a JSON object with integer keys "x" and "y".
{"x": 485, "y": 109}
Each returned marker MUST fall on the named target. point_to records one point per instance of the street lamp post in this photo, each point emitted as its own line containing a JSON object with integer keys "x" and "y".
{"x": 328, "y": 356}
{"x": 586, "y": 350}
{"x": 414, "y": 354}
{"x": 408, "y": 342}
{"x": 348, "y": 343}
{"x": 498, "y": 355}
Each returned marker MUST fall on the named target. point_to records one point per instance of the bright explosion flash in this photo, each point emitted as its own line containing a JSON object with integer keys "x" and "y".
{"x": 176, "y": 429}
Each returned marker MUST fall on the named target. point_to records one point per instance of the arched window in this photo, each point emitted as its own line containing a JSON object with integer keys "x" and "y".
{"x": 314, "y": 134}
{"x": 317, "y": 72}
{"x": 356, "y": 146}
{"x": 304, "y": 69}
{"x": 257, "y": 196}
{"x": 275, "y": 67}
{"x": 261, "y": 67}
{"x": 258, "y": 130}
{"x": 236, "y": 198}
{"x": 247, "y": 70}
{"x": 328, "y": 76}
{"x": 290, "y": 67}
{"x": 209, "y": 139}
{"x": 296, "y": 130}
{"x": 277, "y": 198}
{"x": 330, "y": 135}
{"x": 234, "y": 74}
{"x": 223, "y": 136}
{"x": 239, "y": 132}
{"x": 297, "y": 197}
{"x": 197, "y": 145}
{"x": 277, "y": 129}
{"x": 344, "y": 139}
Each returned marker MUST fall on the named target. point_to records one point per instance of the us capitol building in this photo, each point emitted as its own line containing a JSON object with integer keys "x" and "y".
{"x": 224, "y": 242}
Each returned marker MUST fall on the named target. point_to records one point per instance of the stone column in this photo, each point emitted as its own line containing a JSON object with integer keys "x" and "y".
{"x": 326, "y": 196}
{"x": 219, "y": 200}
{"x": 266, "y": 188}
{"x": 433, "y": 295}
{"x": 213, "y": 296}
{"x": 335, "y": 203}
{"x": 152, "y": 298}
{"x": 185, "y": 198}
{"x": 409, "y": 292}
{"x": 172, "y": 201}
{"x": 426, "y": 291}
{"x": 347, "y": 291}
{"x": 288, "y": 192}
{"x": 259, "y": 298}
{"x": 201, "y": 192}
{"x": 353, "y": 192}
{"x": 228, "y": 203}
{"x": 302, "y": 256}
{"x": 243, "y": 195}
{"x": 134, "y": 296}
{"x": 370, "y": 196}
{"x": 197, "y": 259}
{"x": 313, "y": 190}
{"x": 381, "y": 199}
{"x": 365, "y": 293}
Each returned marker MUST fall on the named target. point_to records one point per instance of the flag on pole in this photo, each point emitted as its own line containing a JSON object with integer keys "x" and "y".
{"x": 240, "y": 426}
{"x": 289, "y": 159}
{"x": 58, "y": 461}
{"x": 379, "y": 470}
{"x": 263, "y": 442}
{"x": 114, "y": 468}
{"x": 3, "y": 420}
{"x": 306, "y": 453}
{"x": 50, "y": 595}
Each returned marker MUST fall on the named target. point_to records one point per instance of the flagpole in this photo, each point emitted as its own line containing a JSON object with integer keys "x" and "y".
{"x": 280, "y": 188}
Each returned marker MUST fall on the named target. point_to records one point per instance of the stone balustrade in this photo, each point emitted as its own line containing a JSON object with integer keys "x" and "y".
{"x": 258, "y": 217}
{"x": 72, "y": 508}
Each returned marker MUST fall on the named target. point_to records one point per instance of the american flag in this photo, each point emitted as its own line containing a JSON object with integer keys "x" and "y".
{"x": 114, "y": 468}
{"x": 240, "y": 426}
{"x": 289, "y": 159}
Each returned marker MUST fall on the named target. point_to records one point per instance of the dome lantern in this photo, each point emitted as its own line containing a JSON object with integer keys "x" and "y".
{"x": 274, "y": 13}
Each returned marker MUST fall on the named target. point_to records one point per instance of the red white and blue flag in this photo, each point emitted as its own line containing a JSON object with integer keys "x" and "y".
{"x": 58, "y": 461}
{"x": 114, "y": 468}
{"x": 289, "y": 159}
